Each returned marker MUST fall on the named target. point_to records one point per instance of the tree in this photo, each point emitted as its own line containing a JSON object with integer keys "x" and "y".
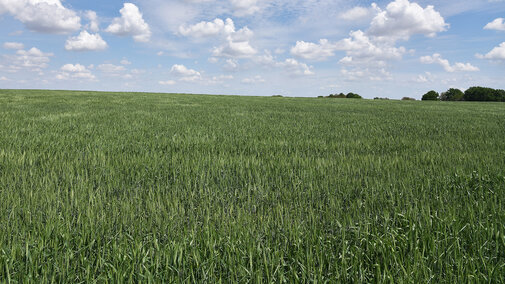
{"x": 431, "y": 96}
{"x": 484, "y": 94}
{"x": 452, "y": 95}
{"x": 353, "y": 96}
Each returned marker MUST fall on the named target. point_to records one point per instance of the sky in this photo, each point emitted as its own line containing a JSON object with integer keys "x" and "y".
{"x": 299, "y": 48}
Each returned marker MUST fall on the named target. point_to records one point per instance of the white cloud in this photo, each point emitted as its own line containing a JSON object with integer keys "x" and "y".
{"x": 94, "y": 25}
{"x": 352, "y": 75}
{"x": 33, "y": 59}
{"x": 236, "y": 43}
{"x": 402, "y": 19}
{"x": 359, "y": 13}
{"x": 131, "y": 23}
{"x": 167, "y": 83}
{"x": 3, "y": 78}
{"x": 184, "y": 73}
{"x": 497, "y": 24}
{"x": 359, "y": 47}
{"x": 125, "y": 62}
{"x": 457, "y": 67}
{"x": 208, "y": 29}
{"x": 75, "y": 71}
{"x": 181, "y": 70}
{"x": 13, "y": 45}
{"x": 423, "y": 78}
{"x": 219, "y": 79}
{"x": 73, "y": 68}
{"x": 497, "y": 53}
{"x": 86, "y": 42}
{"x": 290, "y": 65}
{"x": 375, "y": 74}
{"x": 253, "y": 80}
{"x": 45, "y": 16}
{"x": 110, "y": 68}
{"x": 266, "y": 60}
{"x": 313, "y": 51}
{"x": 235, "y": 49}
{"x": 380, "y": 75}
{"x": 293, "y": 67}
{"x": 245, "y": 7}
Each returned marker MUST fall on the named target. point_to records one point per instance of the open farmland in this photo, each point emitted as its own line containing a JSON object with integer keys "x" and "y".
{"x": 186, "y": 188}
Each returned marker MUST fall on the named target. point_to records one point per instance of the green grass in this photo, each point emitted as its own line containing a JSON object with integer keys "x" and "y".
{"x": 112, "y": 187}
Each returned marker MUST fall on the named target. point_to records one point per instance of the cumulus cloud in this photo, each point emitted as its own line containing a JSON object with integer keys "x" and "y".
{"x": 86, "y": 42}
{"x": 369, "y": 57}
{"x": 33, "y": 59}
{"x": 360, "y": 47}
{"x": 497, "y": 24}
{"x": 131, "y": 23}
{"x": 245, "y": 7}
{"x": 402, "y": 19}
{"x": 372, "y": 74}
{"x": 74, "y": 71}
{"x": 457, "y": 67}
{"x": 359, "y": 13}
{"x": 497, "y": 53}
{"x": 234, "y": 49}
{"x": 369, "y": 52}
{"x": 236, "y": 43}
{"x": 13, "y": 45}
{"x": 45, "y": 16}
{"x": 184, "y": 73}
{"x": 208, "y": 29}
{"x": 314, "y": 51}
{"x": 94, "y": 25}
{"x": 293, "y": 67}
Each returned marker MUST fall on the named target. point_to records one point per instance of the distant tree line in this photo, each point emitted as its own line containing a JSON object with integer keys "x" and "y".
{"x": 343, "y": 96}
{"x": 480, "y": 94}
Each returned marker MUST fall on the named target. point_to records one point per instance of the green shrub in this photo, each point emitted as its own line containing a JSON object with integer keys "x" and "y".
{"x": 353, "y": 96}
{"x": 452, "y": 95}
{"x": 484, "y": 94}
{"x": 431, "y": 96}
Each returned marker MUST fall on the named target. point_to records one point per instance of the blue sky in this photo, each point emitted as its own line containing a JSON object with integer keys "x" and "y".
{"x": 253, "y": 47}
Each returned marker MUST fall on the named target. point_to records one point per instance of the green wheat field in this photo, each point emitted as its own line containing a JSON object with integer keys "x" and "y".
{"x": 137, "y": 187}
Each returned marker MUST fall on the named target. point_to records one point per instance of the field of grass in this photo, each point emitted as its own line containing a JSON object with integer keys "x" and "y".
{"x": 186, "y": 188}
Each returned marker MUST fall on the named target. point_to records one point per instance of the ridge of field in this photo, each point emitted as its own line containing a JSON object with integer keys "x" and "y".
{"x": 116, "y": 187}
